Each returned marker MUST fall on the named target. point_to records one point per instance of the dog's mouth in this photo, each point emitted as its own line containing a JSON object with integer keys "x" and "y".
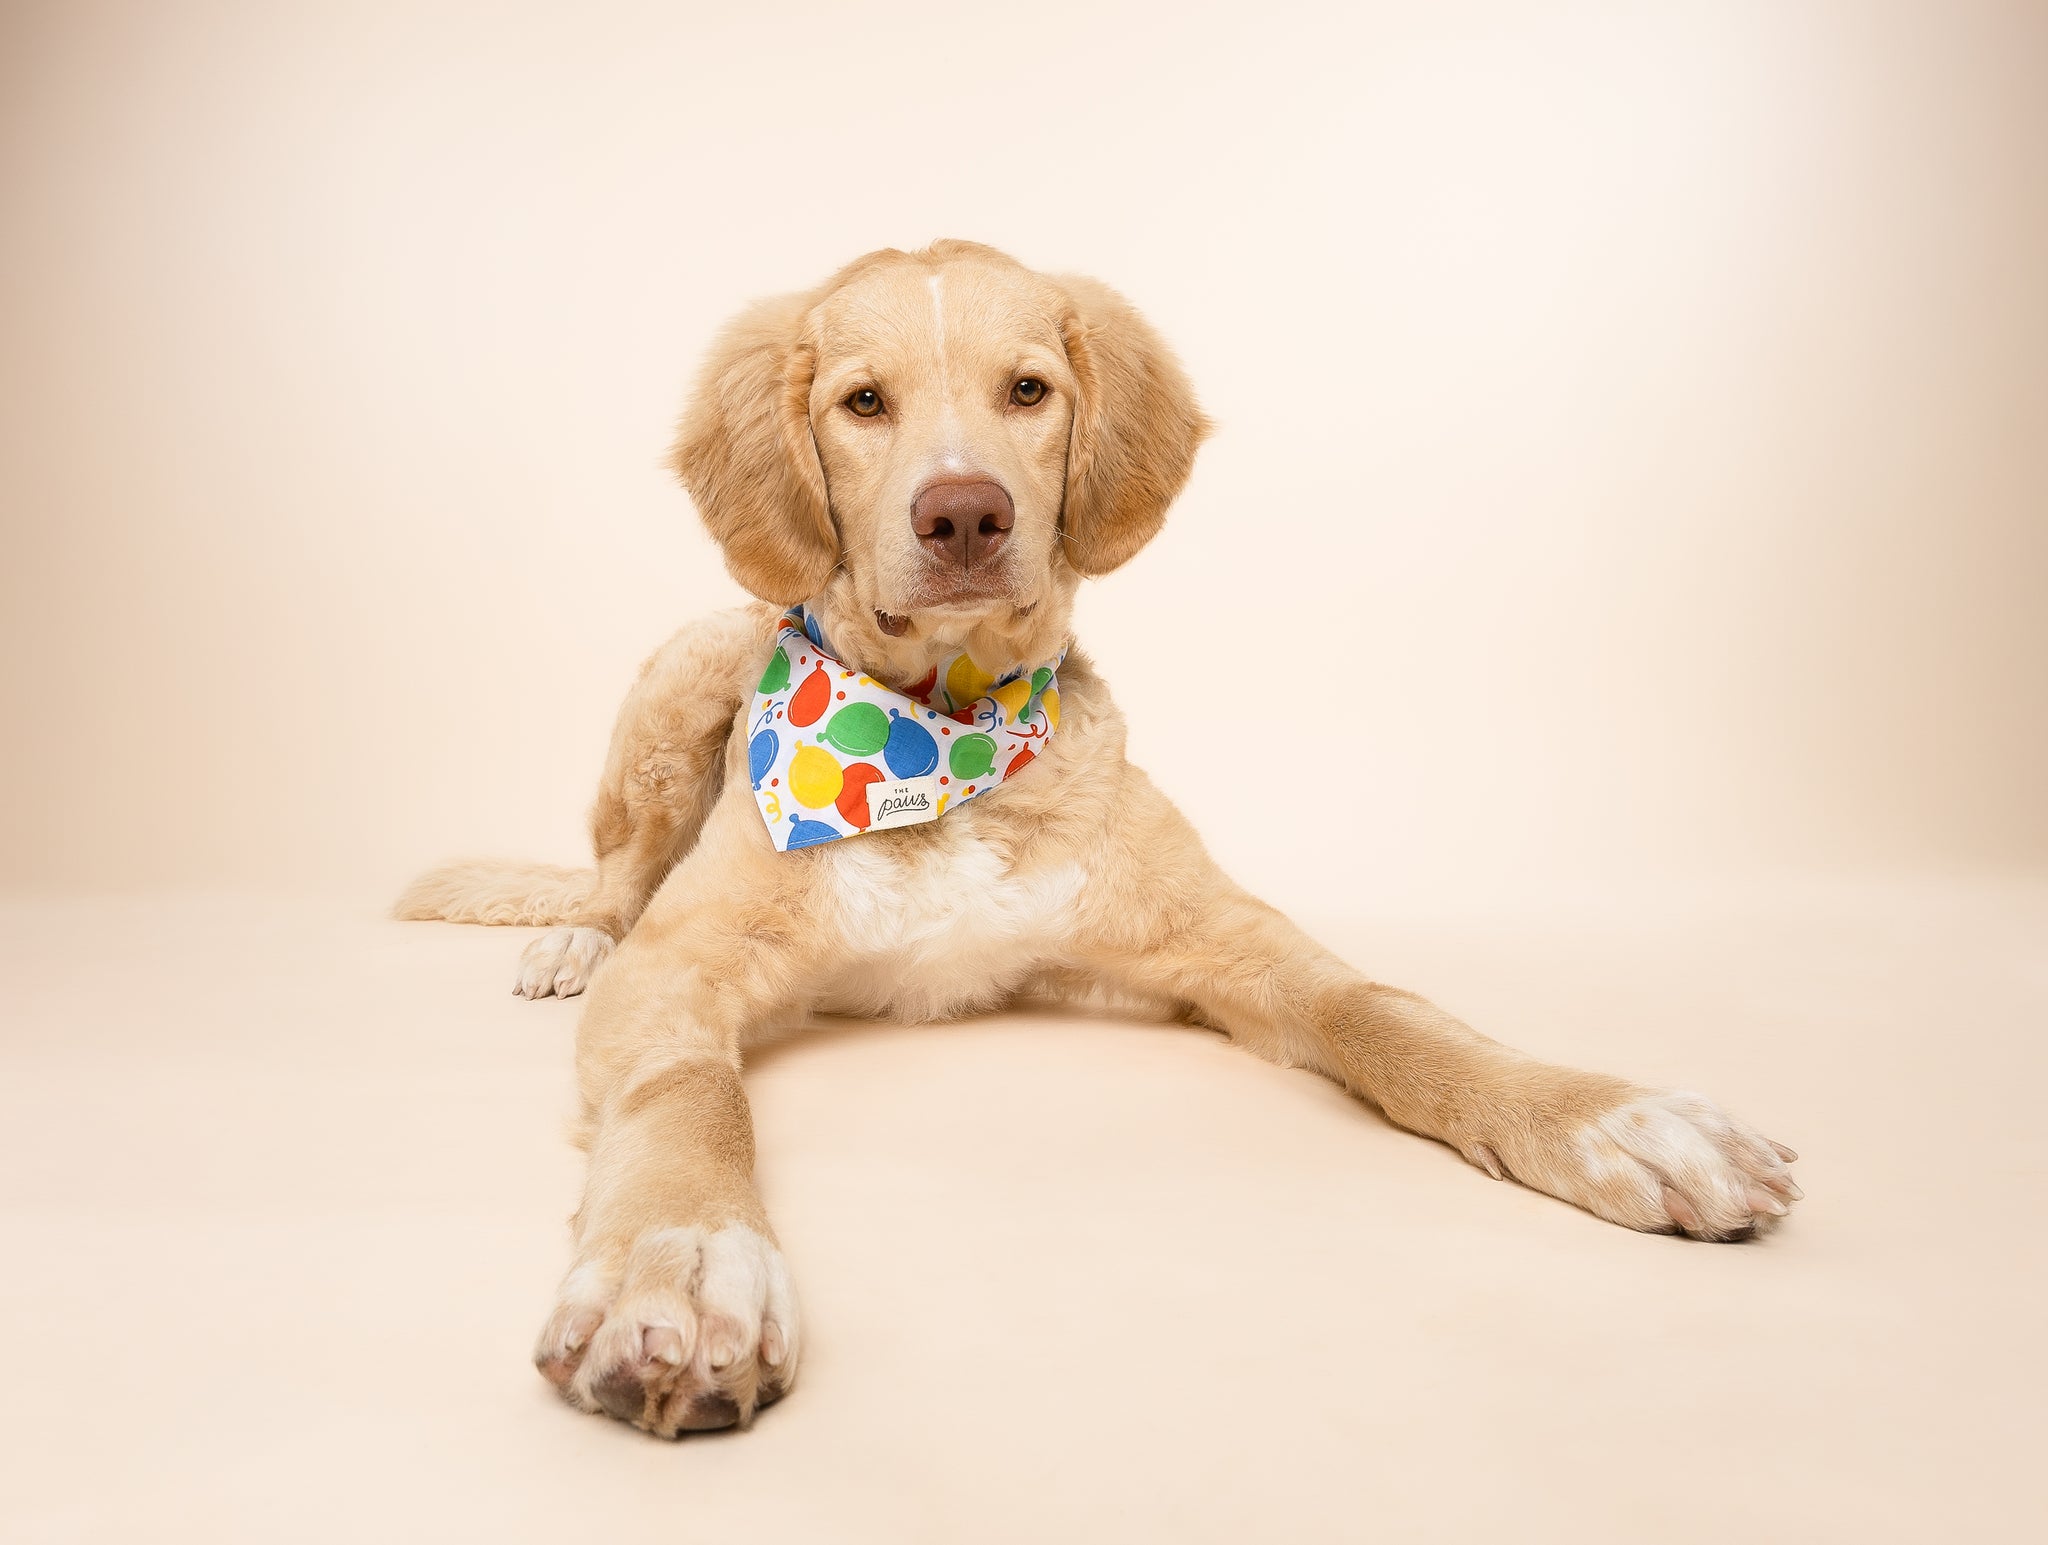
{"x": 992, "y": 587}
{"x": 897, "y": 624}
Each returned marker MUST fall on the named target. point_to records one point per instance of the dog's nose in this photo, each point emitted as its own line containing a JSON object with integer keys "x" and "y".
{"x": 963, "y": 524}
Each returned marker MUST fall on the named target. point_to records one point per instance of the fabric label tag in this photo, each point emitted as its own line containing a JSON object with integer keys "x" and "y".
{"x": 907, "y": 802}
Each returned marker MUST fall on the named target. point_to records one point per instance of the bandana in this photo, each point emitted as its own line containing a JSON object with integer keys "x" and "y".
{"x": 833, "y": 753}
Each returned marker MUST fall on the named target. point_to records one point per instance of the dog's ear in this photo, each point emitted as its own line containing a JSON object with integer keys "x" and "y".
{"x": 744, "y": 450}
{"x": 1136, "y": 428}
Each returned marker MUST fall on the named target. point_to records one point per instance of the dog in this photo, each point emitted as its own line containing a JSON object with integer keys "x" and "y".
{"x": 925, "y": 456}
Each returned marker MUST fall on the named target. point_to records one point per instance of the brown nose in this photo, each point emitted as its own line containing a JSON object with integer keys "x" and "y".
{"x": 963, "y": 524}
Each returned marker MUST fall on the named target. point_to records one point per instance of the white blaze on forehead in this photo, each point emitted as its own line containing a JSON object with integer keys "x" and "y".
{"x": 951, "y": 457}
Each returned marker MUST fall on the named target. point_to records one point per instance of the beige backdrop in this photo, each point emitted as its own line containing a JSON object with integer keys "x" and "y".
{"x": 1632, "y": 482}
{"x": 1632, "y": 419}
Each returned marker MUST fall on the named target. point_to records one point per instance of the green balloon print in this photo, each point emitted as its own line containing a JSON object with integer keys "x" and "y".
{"x": 1039, "y": 678}
{"x": 972, "y": 756}
{"x": 858, "y": 729}
{"x": 776, "y": 677}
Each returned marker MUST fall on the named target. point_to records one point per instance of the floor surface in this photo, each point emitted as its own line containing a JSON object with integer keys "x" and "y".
{"x": 283, "y": 1189}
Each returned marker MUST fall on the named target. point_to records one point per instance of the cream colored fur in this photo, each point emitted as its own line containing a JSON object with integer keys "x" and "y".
{"x": 1077, "y": 881}
{"x": 484, "y": 891}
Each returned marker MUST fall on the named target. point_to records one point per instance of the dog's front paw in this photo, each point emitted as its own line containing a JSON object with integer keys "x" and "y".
{"x": 561, "y": 961}
{"x": 1657, "y": 1160}
{"x": 695, "y": 1330}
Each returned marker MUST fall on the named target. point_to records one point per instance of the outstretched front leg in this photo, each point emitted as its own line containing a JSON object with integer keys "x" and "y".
{"x": 1652, "y": 1159}
{"x": 677, "y": 1313}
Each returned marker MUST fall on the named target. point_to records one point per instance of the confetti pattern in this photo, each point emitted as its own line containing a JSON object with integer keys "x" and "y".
{"x": 821, "y": 732}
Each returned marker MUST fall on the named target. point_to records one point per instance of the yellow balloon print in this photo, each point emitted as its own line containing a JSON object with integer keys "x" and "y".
{"x": 966, "y": 681}
{"x": 814, "y": 777}
{"x": 1050, "y": 702}
{"x": 1013, "y": 695}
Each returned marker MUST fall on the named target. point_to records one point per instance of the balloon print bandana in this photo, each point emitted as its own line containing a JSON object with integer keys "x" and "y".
{"x": 833, "y": 753}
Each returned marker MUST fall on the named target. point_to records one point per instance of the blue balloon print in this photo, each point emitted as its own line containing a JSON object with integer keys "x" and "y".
{"x": 815, "y": 633}
{"x": 911, "y": 751}
{"x": 808, "y": 834}
{"x": 761, "y": 755}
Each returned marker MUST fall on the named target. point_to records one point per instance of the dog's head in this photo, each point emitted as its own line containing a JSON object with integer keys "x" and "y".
{"x": 942, "y": 440}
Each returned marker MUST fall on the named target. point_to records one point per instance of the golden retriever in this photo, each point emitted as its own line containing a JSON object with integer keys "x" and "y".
{"x": 932, "y": 449}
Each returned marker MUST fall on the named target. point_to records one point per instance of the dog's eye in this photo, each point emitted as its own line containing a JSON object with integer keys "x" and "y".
{"x": 866, "y": 402}
{"x": 1028, "y": 392}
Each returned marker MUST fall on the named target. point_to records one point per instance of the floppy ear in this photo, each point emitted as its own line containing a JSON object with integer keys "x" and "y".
{"x": 1136, "y": 427}
{"x": 744, "y": 450}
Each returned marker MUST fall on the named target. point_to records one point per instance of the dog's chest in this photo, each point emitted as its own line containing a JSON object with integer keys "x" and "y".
{"x": 942, "y": 925}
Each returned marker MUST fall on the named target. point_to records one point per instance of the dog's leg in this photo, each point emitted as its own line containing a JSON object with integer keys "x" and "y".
{"x": 661, "y": 777}
{"x": 676, "y": 1313}
{"x": 1651, "y": 1159}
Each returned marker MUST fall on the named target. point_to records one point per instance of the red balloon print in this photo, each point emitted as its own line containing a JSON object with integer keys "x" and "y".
{"x": 923, "y": 690}
{"x": 1022, "y": 759}
{"x": 853, "y": 795}
{"x": 810, "y": 699}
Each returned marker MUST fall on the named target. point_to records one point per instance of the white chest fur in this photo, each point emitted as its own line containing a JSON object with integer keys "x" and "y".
{"x": 942, "y": 926}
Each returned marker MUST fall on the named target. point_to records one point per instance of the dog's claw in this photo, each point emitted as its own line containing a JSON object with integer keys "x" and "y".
{"x": 1681, "y": 1211}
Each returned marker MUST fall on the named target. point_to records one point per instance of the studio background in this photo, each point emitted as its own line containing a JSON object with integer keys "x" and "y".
{"x": 1630, "y": 457}
{"x": 1630, "y": 493}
